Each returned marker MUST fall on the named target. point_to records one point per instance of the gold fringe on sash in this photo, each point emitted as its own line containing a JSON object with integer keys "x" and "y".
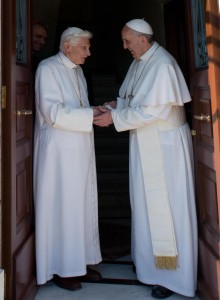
{"x": 166, "y": 262}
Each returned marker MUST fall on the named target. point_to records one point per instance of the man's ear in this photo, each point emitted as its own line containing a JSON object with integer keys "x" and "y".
{"x": 145, "y": 43}
{"x": 66, "y": 47}
{"x": 144, "y": 40}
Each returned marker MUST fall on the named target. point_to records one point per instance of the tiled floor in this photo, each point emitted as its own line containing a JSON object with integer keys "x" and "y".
{"x": 119, "y": 283}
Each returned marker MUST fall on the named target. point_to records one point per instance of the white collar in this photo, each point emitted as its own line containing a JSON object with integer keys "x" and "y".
{"x": 68, "y": 63}
{"x": 149, "y": 52}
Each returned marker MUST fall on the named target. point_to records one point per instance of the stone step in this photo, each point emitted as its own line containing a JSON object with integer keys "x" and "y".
{"x": 114, "y": 212}
{"x": 111, "y": 149}
{"x": 112, "y": 187}
{"x": 108, "y": 139}
{"x": 114, "y": 205}
{"x": 112, "y": 165}
{"x": 111, "y": 145}
{"x": 112, "y": 184}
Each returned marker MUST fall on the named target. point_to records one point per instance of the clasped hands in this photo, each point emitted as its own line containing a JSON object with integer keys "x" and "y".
{"x": 102, "y": 115}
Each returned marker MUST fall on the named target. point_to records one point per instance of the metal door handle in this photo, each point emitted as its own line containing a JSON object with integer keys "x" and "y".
{"x": 24, "y": 112}
{"x": 193, "y": 132}
{"x": 203, "y": 118}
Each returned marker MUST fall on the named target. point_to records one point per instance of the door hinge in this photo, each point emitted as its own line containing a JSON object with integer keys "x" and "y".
{"x": 4, "y": 97}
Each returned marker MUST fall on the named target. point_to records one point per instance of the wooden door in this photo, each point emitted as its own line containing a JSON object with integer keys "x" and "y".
{"x": 188, "y": 29}
{"x": 18, "y": 220}
{"x": 206, "y": 139}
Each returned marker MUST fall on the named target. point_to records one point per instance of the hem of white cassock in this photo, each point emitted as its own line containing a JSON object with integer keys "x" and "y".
{"x": 169, "y": 286}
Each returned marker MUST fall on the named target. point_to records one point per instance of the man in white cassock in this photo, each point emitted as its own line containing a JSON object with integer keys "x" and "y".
{"x": 65, "y": 186}
{"x": 151, "y": 105}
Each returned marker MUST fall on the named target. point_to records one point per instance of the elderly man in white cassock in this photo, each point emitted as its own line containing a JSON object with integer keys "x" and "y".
{"x": 65, "y": 186}
{"x": 151, "y": 105}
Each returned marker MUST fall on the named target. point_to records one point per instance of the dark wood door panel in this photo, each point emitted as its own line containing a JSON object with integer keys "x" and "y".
{"x": 18, "y": 212}
{"x": 24, "y": 205}
{"x": 206, "y": 192}
{"x": 24, "y": 270}
{"x": 24, "y": 201}
{"x": 207, "y": 205}
{"x": 206, "y": 157}
{"x": 204, "y": 144}
{"x": 208, "y": 285}
{"x": 208, "y": 221}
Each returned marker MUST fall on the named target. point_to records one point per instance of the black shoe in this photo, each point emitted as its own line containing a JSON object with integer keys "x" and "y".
{"x": 160, "y": 292}
{"x": 67, "y": 283}
{"x": 91, "y": 276}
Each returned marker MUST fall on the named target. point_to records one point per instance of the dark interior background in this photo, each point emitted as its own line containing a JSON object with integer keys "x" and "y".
{"x": 105, "y": 20}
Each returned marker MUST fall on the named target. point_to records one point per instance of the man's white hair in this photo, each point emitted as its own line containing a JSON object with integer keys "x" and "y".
{"x": 72, "y": 35}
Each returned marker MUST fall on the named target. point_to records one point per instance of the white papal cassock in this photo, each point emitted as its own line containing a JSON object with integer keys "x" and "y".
{"x": 65, "y": 186}
{"x": 151, "y": 105}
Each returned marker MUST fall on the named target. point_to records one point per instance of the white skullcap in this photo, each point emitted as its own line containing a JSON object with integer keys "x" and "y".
{"x": 140, "y": 25}
{"x": 71, "y": 30}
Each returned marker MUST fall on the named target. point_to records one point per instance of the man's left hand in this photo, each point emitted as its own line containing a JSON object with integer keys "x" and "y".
{"x": 103, "y": 120}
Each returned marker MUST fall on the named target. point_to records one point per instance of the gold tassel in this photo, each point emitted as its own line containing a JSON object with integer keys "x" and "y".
{"x": 166, "y": 262}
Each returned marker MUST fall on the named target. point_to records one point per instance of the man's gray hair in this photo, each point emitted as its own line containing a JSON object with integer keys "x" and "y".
{"x": 72, "y": 35}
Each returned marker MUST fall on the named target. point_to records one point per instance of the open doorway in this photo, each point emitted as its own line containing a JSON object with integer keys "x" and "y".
{"x": 105, "y": 20}
{"x": 104, "y": 71}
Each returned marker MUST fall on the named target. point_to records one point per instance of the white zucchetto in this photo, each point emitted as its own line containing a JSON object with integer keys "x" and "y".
{"x": 140, "y": 25}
